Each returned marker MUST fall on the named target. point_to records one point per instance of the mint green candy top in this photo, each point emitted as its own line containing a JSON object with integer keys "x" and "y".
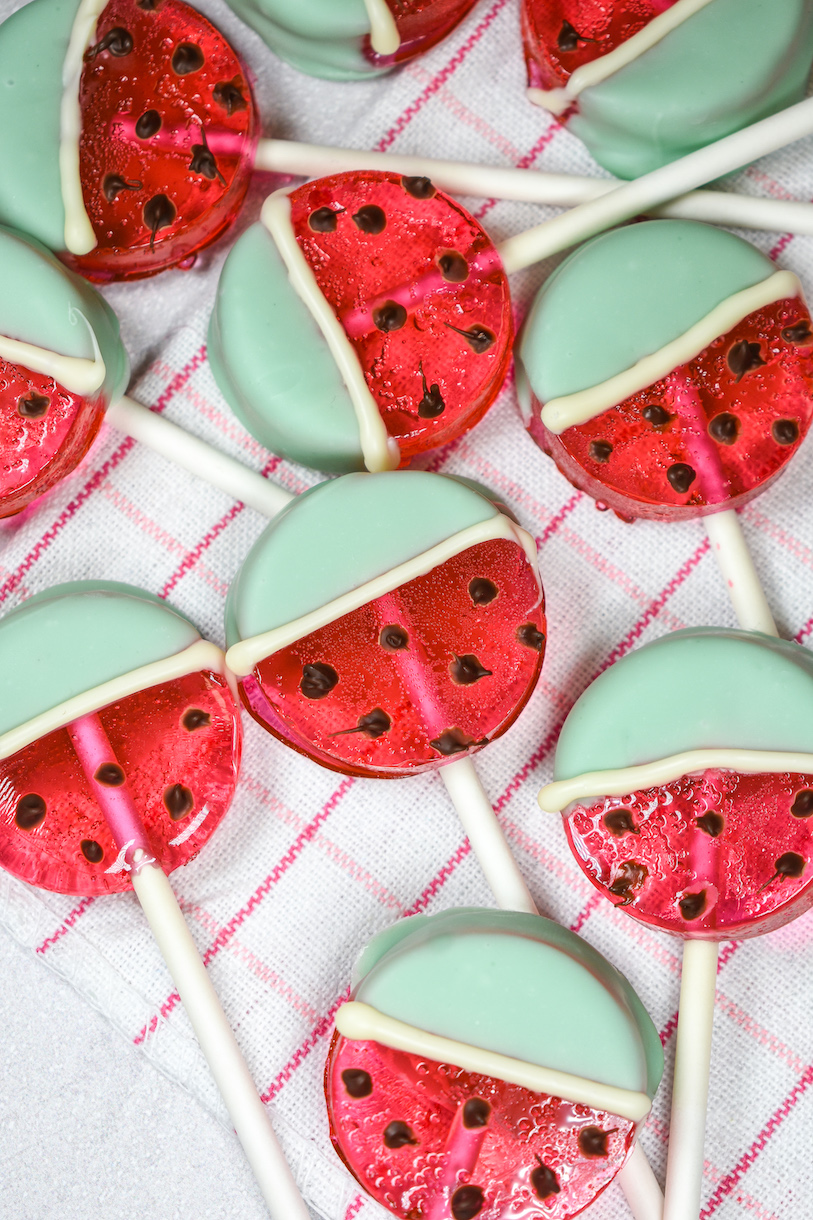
{"x": 515, "y": 984}
{"x": 699, "y": 689}
{"x": 725, "y": 67}
{"x": 341, "y": 534}
{"x": 319, "y": 37}
{"x": 44, "y": 304}
{"x": 625, "y": 295}
{"x": 33, "y": 45}
{"x": 273, "y": 364}
{"x": 76, "y": 636}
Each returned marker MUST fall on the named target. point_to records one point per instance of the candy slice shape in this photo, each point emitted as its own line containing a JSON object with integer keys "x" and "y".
{"x": 668, "y": 369}
{"x": 61, "y": 362}
{"x": 412, "y": 634}
{"x": 353, "y": 40}
{"x": 366, "y": 320}
{"x": 488, "y": 1064}
{"x": 644, "y": 82}
{"x": 107, "y": 691}
{"x": 692, "y": 807}
{"x": 128, "y": 140}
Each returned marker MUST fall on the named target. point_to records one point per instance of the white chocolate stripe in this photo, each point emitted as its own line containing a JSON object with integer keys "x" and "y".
{"x": 384, "y": 36}
{"x": 571, "y": 409}
{"x": 360, "y": 1022}
{"x": 379, "y": 450}
{"x": 557, "y": 796}
{"x": 200, "y": 655}
{"x": 598, "y": 70}
{"x": 243, "y": 656}
{"x": 75, "y": 373}
{"x": 79, "y": 235}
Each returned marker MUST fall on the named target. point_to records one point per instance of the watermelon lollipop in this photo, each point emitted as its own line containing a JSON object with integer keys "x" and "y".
{"x": 651, "y": 80}
{"x": 668, "y": 369}
{"x": 488, "y": 1064}
{"x": 366, "y": 320}
{"x": 386, "y": 624}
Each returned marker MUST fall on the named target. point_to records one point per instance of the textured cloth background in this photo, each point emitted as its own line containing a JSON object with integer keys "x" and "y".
{"x": 308, "y": 865}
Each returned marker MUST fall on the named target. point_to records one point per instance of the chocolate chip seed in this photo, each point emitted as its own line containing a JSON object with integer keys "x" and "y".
{"x": 530, "y": 635}
{"x": 600, "y": 451}
{"x": 453, "y": 267}
{"x": 656, "y": 415}
{"x": 178, "y": 802}
{"x": 568, "y": 39}
{"x": 479, "y": 338}
{"x": 370, "y": 219}
{"x": 30, "y": 811}
{"x": 432, "y": 404}
{"x": 790, "y": 865}
{"x": 203, "y": 162}
{"x": 467, "y": 670}
{"x": 393, "y": 638}
{"x": 196, "y": 718}
{"x": 318, "y": 680}
{"x": 620, "y": 822}
{"x": 630, "y": 877}
{"x": 357, "y": 1082}
{"x": 799, "y": 332}
{"x": 323, "y": 220}
{"x": 398, "y": 1135}
{"x": 118, "y": 42}
{"x": 418, "y": 188}
{"x": 802, "y": 806}
{"x": 229, "y": 95}
{"x": 476, "y": 1113}
{"x": 743, "y": 358}
{"x": 148, "y": 124}
{"x": 186, "y": 58}
{"x": 454, "y": 741}
{"x": 113, "y": 183}
{"x": 785, "y": 431}
{"x": 712, "y": 824}
{"x": 92, "y": 851}
{"x": 544, "y": 1181}
{"x": 389, "y": 316}
{"x": 681, "y": 477}
{"x": 374, "y": 724}
{"x": 33, "y": 405}
{"x": 483, "y": 591}
{"x": 592, "y": 1141}
{"x": 724, "y": 428}
{"x": 159, "y": 213}
{"x": 466, "y": 1202}
{"x": 692, "y": 906}
{"x": 110, "y": 775}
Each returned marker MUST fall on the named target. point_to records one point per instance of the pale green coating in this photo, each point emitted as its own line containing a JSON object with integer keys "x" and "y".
{"x": 43, "y": 303}
{"x": 33, "y": 45}
{"x": 341, "y": 534}
{"x": 699, "y": 689}
{"x": 518, "y": 985}
{"x": 730, "y": 64}
{"x": 625, "y": 295}
{"x": 273, "y": 365}
{"x": 76, "y": 636}
{"x": 319, "y": 37}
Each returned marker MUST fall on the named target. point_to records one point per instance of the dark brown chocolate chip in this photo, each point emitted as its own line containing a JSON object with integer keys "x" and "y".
{"x": 630, "y": 877}
{"x": 357, "y": 1082}
{"x": 373, "y": 724}
{"x": 178, "y": 802}
{"x": 712, "y": 824}
{"x": 479, "y": 338}
{"x": 148, "y": 124}
{"x": 600, "y": 451}
{"x": 370, "y": 219}
{"x": 620, "y": 822}
{"x": 799, "y": 332}
{"x": 466, "y": 1202}
{"x": 393, "y": 638}
{"x": 681, "y": 477}
{"x": 692, "y": 906}
{"x": 453, "y": 741}
{"x": 318, "y": 680}
{"x": 159, "y": 213}
{"x": 656, "y": 415}
{"x": 790, "y": 865}
{"x": 432, "y": 404}
{"x": 33, "y": 405}
{"x": 149, "y": 6}
{"x": 592, "y": 1141}
{"x": 196, "y": 718}
{"x": 544, "y": 1181}
{"x": 30, "y": 811}
{"x": 418, "y": 188}
{"x": 389, "y": 316}
{"x": 110, "y": 775}
{"x": 187, "y": 57}
{"x": 398, "y": 1135}
{"x": 724, "y": 428}
{"x": 467, "y": 670}
{"x": 203, "y": 162}
{"x": 743, "y": 358}
{"x": 530, "y": 635}
{"x": 568, "y": 39}
{"x": 453, "y": 267}
{"x": 482, "y": 591}
{"x": 476, "y": 1113}
{"x": 117, "y": 41}
{"x": 785, "y": 431}
{"x": 92, "y": 851}
{"x": 802, "y": 806}
{"x": 113, "y": 183}
{"x": 229, "y": 95}
{"x": 323, "y": 220}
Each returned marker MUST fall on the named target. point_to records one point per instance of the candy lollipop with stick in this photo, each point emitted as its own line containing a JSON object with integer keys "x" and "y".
{"x": 488, "y": 1063}
{"x": 119, "y": 750}
{"x": 685, "y": 775}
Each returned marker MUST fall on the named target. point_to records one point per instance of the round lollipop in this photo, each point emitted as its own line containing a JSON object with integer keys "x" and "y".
{"x": 119, "y": 749}
{"x": 643, "y": 82}
{"x": 685, "y": 773}
{"x": 488, "y": 1064}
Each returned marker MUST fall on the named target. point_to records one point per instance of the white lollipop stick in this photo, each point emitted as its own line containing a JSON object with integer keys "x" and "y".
{"x": 652, "y": 190}
{"x": 532, "y": 186}
{"x": 740, "y": 576}
{"x": 246, "y": 1110}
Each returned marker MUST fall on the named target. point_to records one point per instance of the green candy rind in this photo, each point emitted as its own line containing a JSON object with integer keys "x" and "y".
{"x": 319, "y": 37}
